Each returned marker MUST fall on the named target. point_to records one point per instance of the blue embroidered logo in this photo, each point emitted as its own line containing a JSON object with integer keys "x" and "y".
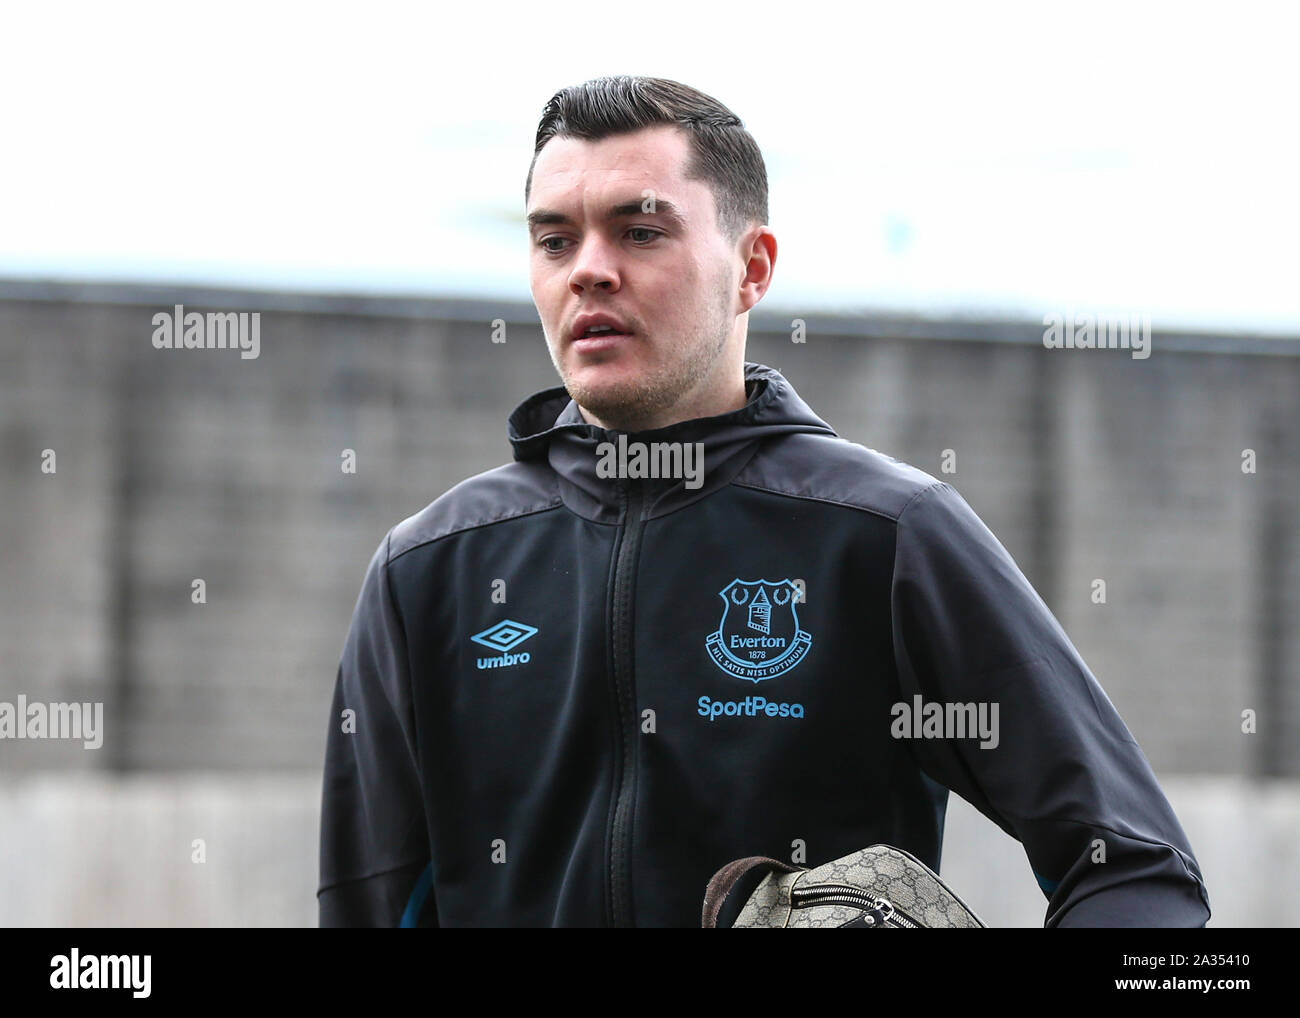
{"x": 504, "y": 636}
{"x": 759, "y": 636}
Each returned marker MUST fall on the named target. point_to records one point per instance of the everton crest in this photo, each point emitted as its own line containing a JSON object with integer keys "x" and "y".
{"x": 759, "y": 636}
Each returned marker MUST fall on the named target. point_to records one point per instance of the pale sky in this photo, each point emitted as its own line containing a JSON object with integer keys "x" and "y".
{"x": 943, "y": 158}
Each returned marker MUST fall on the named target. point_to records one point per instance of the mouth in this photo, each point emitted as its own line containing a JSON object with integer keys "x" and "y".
{"x": 596, "y": 341}
{"x": 592, "y": 332}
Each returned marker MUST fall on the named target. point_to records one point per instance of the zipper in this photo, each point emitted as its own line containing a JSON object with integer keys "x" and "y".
{"x": 620, "y": 840}
{"x": 877, "y": 910}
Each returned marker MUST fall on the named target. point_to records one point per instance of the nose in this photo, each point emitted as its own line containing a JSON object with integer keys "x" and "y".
{"x": 594, "y": 264}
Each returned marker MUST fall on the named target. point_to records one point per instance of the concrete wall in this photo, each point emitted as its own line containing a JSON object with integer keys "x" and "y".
{"x": 177, "y": 465}
{"x": 97, "y": 850}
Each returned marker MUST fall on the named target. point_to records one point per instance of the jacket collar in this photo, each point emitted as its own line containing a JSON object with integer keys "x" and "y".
{"x": 549, "y": 427}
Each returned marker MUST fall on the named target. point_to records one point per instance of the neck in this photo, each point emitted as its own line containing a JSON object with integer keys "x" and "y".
{"x": 723, "y": 401}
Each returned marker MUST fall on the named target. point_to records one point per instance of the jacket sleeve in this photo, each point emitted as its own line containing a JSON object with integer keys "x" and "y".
{"x": 374, "y": 854}
{"x": 1062, "y": 774}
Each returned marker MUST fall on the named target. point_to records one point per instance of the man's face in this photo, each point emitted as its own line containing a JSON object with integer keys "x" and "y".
{"x": 666, "y": 276}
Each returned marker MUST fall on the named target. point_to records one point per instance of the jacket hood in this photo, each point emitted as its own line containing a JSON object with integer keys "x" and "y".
{"x": 549, "y": 427}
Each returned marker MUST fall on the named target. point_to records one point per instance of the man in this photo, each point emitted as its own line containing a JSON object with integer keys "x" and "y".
{"x": 683, "y": 625}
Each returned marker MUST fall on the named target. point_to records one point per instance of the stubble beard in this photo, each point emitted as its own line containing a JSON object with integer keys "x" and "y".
{"x": 635, "y": 404}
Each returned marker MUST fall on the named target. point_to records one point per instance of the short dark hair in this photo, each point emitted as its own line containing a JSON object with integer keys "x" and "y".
{"x": 723, "y": 154}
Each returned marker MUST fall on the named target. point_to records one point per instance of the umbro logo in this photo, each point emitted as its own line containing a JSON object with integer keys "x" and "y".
{"x": 505, "y": 636}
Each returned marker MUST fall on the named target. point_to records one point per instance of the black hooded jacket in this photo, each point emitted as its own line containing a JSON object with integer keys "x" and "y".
{"x": 567, "y": 698}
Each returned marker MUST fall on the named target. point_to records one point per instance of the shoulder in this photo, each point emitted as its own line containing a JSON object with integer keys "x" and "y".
{"x": 503, "y": 493}
{"x": 827, "y": 468}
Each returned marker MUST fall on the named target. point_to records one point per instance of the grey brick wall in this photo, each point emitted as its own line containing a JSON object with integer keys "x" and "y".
{"x": 176, "y": 465}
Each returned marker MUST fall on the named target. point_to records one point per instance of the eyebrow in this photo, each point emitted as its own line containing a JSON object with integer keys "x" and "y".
{"x": 663, "y": 207}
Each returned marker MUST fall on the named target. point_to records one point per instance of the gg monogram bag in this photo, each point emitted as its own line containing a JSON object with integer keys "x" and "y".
{"x": 880, "y": 887}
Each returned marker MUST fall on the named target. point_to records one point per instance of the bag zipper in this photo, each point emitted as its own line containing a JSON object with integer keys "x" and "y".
{"x": 876, "y": 910}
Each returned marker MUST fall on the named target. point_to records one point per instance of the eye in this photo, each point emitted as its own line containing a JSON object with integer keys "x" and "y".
{"x": 651, "y": 236}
